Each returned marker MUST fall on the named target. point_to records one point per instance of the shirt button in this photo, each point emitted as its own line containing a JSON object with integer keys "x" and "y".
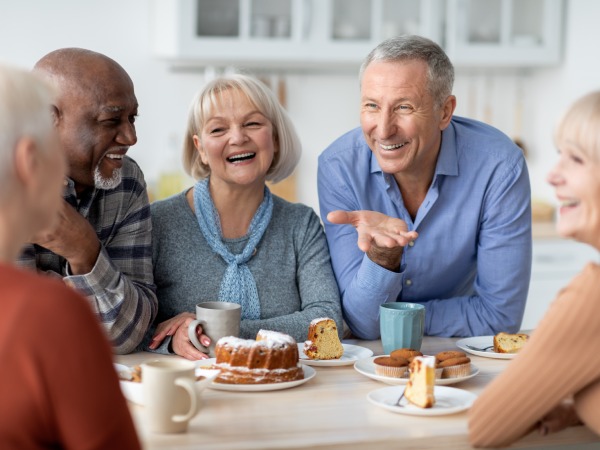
{"x": 408, "y": 282}
{"x": 411, "y": 244}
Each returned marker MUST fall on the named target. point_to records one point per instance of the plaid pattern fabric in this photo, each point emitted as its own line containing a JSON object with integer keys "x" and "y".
{"x": 120, "y": 287}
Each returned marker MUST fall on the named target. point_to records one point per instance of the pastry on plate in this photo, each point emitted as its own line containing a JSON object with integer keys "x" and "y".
{"x": 323, "y": 340}
{"x": 390, "y": 367}
{"x": 420, "y": 386}
{"x": 509, "y": 343}
{"x": 271, "y": 358}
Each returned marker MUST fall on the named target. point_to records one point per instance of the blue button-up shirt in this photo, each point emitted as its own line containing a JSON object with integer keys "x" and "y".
{"x": 471, "y": 264}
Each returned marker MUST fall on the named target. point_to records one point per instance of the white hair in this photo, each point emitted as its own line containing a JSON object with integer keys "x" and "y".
{"x": 25, "y": 111}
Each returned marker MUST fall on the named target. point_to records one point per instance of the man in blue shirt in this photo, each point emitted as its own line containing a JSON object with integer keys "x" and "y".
{"x": 439, "y": 205}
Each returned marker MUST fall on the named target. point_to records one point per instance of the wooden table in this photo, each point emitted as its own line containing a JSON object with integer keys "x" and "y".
{"x": 332, "y": 411}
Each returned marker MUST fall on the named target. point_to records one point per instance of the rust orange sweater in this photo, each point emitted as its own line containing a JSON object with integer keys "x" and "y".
{"x": 559, "y": 361}
{"x": 58, "y": 387}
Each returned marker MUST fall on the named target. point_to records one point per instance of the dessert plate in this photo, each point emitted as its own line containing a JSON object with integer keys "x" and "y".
{"x": 367, "y": 368}
{"x": 351, "y": 354}
{"x": 309, "y": 373}
{"x": 447, "y": 401}
{"x": 132, "y": 391}
{"x": 482, "y": 342}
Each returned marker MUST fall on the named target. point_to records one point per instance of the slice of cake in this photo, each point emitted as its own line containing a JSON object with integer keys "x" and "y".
{"x": 509, "y": 343}
{"x": 419, "y": 388}
{"x": 323, "y": 340}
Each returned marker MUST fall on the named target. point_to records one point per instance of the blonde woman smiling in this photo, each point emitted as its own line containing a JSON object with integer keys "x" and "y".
{"x": 228, "y": 238}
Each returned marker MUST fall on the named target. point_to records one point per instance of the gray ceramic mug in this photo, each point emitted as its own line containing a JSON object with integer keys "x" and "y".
{"x": 218, "y": 319}
{"x": 402, "y": 325}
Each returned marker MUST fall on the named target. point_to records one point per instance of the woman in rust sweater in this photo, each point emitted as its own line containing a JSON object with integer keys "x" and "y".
{"x": 554, "y": 382}
{"x": 58, "y": 386}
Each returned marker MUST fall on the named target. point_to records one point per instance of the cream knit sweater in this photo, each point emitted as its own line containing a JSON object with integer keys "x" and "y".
{"x": 560, "y": 361}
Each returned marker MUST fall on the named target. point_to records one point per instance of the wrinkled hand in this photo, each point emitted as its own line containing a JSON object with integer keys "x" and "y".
{"x": 177, "y": 328}
{"x": 381, "y": 237}
{"x": 73, "y": 238}
{"x": 563, "y": 416}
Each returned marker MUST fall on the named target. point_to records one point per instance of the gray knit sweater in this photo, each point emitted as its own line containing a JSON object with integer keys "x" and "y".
{"x": 291, "y": 267}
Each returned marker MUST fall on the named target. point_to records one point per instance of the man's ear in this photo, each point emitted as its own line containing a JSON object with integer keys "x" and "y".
{"x": 55, "y": 115}
{"x": 447, "y": 111}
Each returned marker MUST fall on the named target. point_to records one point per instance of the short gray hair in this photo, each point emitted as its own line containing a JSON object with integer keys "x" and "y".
{"x": 25, "y": 111}
{"x": 263, "y": 98}
{"x": 410, "y": 47}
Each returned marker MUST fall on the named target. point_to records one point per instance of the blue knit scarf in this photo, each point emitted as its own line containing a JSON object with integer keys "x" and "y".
{"x": 238, "y": 285}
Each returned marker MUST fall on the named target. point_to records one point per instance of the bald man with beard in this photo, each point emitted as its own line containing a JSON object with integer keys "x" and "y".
{"x": 101, "y": 246}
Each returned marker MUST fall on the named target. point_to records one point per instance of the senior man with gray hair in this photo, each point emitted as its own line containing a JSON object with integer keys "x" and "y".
{"x": 439, "y": 204}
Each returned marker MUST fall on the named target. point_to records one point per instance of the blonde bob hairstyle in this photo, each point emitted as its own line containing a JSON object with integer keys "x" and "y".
{"x": 262, "y": 97}
{"x": 580, "y": 126}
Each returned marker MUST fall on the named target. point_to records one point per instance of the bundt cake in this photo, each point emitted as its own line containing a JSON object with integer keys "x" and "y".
{"x": 323, "y": 340}
{"x": 271, "y": 358}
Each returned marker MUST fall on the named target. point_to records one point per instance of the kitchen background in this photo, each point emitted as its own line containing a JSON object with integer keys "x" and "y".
{"x": 519, "y": 64}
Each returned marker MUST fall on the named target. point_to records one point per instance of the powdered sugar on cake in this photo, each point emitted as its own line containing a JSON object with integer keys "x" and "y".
{"x": 271, "y": 358}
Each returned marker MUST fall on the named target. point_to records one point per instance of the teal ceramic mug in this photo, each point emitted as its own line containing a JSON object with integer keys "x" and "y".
{"x": 402, "y": 325}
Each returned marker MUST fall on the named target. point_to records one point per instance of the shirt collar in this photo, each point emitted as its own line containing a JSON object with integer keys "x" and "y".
{"x": 375, "y": 167}
{"x": 83, "y": 203}
{"x": 447, "y": 163}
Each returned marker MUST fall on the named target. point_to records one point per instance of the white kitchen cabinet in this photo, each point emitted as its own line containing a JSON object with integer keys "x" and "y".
{"x": 283, "y": 33}
{"x": 555, "y": 262}
{"x": 504, "y": 32}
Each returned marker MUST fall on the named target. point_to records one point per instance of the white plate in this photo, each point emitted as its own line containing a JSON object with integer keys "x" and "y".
{"x": 309, "y": 373}
{"x": 133, "y": 391}
{"x": 367, "y": 368}
{"x": 482, "y": 342}
{"x": 447, "y": 401}
{"x": 351, "y": 354}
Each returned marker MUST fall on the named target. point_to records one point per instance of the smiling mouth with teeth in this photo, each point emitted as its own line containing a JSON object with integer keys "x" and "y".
{"x": 393, "y": 146}
{"x": 241, "y": 157}
{"x": 567, "y": 203}
{"x": 114, "y": 156}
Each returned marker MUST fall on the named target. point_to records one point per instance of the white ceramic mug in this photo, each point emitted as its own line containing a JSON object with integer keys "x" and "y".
{"x": 171, "y": 399}
{"x": 218, "y": 319}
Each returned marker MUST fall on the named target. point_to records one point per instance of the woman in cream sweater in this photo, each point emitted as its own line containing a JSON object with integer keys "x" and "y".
{"x": 554, "y": 382}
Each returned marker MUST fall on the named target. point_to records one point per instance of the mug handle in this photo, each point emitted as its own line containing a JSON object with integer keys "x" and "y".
{"x": 190, "y": 388}
{"x": 192, "y": 335}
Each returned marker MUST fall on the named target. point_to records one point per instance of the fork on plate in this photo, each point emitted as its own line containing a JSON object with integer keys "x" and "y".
{"x": 477, "y": 349}
{"x": 399, "y": 399}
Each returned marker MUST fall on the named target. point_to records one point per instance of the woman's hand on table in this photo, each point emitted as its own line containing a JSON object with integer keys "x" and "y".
{"x": 561, "y": 417}
{"x": 177, "y": 328}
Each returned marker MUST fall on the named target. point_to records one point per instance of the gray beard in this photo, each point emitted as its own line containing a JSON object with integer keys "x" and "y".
{"x": 107, "y": 183}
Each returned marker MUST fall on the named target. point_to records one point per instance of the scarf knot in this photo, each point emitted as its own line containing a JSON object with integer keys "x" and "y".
{"x": 238, "y": 284}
